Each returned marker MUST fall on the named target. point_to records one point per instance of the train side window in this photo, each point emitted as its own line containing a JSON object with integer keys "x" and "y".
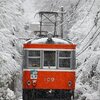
{"x": 33, "y": 58}
{"x": 64, "y": 59}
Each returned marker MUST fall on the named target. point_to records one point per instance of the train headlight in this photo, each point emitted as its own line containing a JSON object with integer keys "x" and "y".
{"x": 69, "y": 83}
{"x": 28, "y": 83}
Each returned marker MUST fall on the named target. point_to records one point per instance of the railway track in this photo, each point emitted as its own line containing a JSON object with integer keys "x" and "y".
{"x": 52, "y": 99}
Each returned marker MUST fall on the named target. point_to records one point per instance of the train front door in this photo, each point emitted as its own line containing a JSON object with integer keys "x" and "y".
{"x": 49, "y": 59}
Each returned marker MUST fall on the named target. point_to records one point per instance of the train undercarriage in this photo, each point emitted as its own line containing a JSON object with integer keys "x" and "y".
{"x": 48, "y": 94}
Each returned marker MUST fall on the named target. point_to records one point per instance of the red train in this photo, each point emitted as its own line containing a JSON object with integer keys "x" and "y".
{"x": 49, "y": 69}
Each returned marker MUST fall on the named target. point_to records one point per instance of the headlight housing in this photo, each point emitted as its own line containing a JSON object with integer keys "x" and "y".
{"x": 28, "y": 82}
{"x": 69, "y": 83}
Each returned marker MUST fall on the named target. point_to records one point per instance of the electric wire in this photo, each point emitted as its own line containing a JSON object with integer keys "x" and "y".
{"x": 77, "y": 3}
{"x": 86, "y": 14}
{"x": 88, "y": 44}
{"x": 86, "y": 35}
{"x": 70, "y": 16}
{"x": 76, "y": 13}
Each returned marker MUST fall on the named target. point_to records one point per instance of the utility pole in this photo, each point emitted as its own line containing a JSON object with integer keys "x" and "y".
{"x": 40, "y": 23}
{"x": 62, "y": 16}
{"x": 55, "y": 25}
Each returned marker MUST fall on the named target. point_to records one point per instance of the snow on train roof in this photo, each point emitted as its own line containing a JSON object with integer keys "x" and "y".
{"x": 55, "y": 40}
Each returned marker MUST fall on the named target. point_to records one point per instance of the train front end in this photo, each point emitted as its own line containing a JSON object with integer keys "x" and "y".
{"x": 48, "y": 69}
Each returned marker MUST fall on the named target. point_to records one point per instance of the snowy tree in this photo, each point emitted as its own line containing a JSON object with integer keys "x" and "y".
{"x": 11, "y": 15}
{"x": 11, "y": 25}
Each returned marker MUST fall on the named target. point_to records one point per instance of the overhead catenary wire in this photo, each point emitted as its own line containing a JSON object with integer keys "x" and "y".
{"x": 77, "y": 3}
{"x": 74, "y": 14}
{"x": 86, "y": 35}
{"x": 86, "y": 14}
{"x": 70, "y": 16}
{"x": 66, "y": 20}
{"x": 89, "y": 43}
{"x": 52, "y": 7}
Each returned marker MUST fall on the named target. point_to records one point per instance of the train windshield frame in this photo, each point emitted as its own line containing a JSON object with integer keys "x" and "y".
{"x": 49, "y": 59}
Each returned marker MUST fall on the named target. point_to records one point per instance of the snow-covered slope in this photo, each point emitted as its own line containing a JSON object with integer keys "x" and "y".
{"x": 85, "y": 32}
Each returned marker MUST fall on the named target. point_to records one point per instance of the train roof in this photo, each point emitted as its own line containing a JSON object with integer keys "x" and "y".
{"x": 52, "y": 44}
{"x": 54, "y": 41}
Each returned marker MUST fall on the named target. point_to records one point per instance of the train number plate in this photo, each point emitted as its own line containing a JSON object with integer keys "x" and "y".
{"x": 34, "y": 74}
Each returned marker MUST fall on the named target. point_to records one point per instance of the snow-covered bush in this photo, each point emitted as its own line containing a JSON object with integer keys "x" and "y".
{"x": 10, "y": 63}
{"x": 5, "y": 92}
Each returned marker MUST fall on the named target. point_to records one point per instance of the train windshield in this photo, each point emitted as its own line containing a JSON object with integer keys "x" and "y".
{"x": 49, "y": 58}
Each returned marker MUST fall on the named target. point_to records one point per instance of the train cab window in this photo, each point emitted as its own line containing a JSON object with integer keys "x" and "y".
{"x": 49, "y": 58}
{"x": 64, "y": 59}
{"x": 33, "y": 58}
